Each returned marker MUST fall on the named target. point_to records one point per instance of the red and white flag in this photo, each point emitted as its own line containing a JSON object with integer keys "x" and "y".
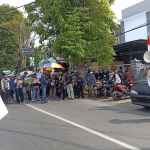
{"x": 148, "y": 42}
{"x": 3, "y": 109}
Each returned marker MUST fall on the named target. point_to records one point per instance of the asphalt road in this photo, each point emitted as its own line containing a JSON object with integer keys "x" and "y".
{"x": 75, "y": 125}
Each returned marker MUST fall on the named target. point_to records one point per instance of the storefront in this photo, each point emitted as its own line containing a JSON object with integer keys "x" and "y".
{"x": 130, "y": 50}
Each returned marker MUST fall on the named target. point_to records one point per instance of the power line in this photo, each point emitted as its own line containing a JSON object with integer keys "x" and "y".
{"x": 20, "y": 6}
{"x": 140, "y": 26}
{"x": 24, "y": 5}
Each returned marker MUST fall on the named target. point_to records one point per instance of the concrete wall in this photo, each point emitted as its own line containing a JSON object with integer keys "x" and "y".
{"x": 148, "y": 20}
{"x": 130, "y": 23}
{"x": 133, "y": 17}
{"x": 138, "y": 8}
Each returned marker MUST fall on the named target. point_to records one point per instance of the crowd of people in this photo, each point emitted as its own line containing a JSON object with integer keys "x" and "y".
{"x": 51, "y": 87}
{"x": 44, "y": 89}
{"x": 118, "y": 75}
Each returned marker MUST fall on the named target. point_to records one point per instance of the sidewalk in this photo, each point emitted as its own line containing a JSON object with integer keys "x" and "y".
{"x": 123, "y": 101}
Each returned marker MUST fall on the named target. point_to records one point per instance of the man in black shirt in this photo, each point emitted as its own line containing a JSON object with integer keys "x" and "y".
{"x": 80, "y": 82}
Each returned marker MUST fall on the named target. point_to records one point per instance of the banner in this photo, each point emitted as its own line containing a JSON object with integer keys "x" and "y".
{"x": 28, "y": 80}
{"x": 3, "y": 109}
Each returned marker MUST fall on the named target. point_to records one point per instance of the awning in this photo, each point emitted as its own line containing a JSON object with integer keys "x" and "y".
{"x": 132, "y": 47}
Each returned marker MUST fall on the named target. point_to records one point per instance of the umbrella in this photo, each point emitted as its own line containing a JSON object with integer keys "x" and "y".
{"x": 55, "y": 65}
{"x": 47, "y": 69}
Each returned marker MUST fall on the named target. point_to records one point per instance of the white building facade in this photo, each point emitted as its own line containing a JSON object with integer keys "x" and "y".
{"x": 134, "y": 16}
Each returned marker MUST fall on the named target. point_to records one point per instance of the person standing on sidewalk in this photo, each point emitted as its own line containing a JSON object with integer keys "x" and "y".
{"x": 80, "y": 83}
{"x": 5, "y": 89}
{"x": 53, "y": 87}
{"x": 69, "y": 86}
{"x": 43, "y": 87}
{"x": 28, "y": 90}
{"x": 24, "y": 88}
{"x": 63, "y": 87}
{"x": 74, "y": 84}
{"x": 90, "y": 82}
{"x": 19, "y": 90}
{"x": 36, "y": 89}
{"x": 12, "y": 87}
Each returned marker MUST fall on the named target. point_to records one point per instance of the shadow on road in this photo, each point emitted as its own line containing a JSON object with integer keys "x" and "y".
{"x": 118, "y": 121}
{"x": 37, "y": 122}
{"x": 49, "y": 138}
{"x": 139, "y": 111}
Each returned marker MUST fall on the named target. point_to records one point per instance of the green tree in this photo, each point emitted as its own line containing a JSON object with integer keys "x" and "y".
{"x": 8, "y": 46}
{"x": 14, "y": 31}
{"x": 76, "y": 29}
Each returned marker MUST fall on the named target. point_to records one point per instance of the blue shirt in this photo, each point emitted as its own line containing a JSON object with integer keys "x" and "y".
{"x": 43, "y": 81}
{"x": 87, "y": 75}
{"x": 91, "y": 80}
{"x": 12, "y": 84}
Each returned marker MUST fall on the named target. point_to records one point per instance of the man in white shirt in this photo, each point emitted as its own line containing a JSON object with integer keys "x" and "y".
{"x": 116, "y": 77}
{"x": 5, "y": 88}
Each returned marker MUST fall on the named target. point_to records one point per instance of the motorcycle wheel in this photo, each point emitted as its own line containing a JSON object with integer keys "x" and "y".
{"x": 106, "y": 94}
{"x": 115, "y": 97}
{"x": 96, "y": 94}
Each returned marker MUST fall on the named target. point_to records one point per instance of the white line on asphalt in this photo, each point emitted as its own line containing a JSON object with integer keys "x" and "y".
{"x": 86, "y": 129}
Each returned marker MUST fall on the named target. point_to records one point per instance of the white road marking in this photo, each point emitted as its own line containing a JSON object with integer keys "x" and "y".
{"x": 87, "y": 129}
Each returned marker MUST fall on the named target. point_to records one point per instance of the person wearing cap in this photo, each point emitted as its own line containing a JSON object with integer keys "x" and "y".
{"x": 91, "y": 82}
{"x": 43, "y": 87}
{"x": 69, "y": 86}
{"x": 5, "y": 89}
{"x": 19, "y": 89}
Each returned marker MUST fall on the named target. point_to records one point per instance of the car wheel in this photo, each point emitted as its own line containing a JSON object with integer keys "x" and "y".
{"x": 146, "y": 107}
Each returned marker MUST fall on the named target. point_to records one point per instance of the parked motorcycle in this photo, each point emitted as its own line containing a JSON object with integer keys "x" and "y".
{"x": 108, "y": 88}
{"x": 98, "y": 91}
{"x": 121, "y": 90}
{"x": 105, "y": 89}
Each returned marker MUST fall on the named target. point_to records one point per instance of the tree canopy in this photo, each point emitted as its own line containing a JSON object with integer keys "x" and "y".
{"x": 8, "y": 47}
{"x": 75, "y": 29}
{"x": 13, "y": 34}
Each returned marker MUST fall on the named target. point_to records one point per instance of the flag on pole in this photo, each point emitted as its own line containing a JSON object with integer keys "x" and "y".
{"x": 3, "y": 109}
{"x": 148, "y": 42}
{"x": 39, "y": 74}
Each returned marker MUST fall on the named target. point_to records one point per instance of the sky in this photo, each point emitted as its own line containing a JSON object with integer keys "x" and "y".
{"x": 117, "y": 7}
